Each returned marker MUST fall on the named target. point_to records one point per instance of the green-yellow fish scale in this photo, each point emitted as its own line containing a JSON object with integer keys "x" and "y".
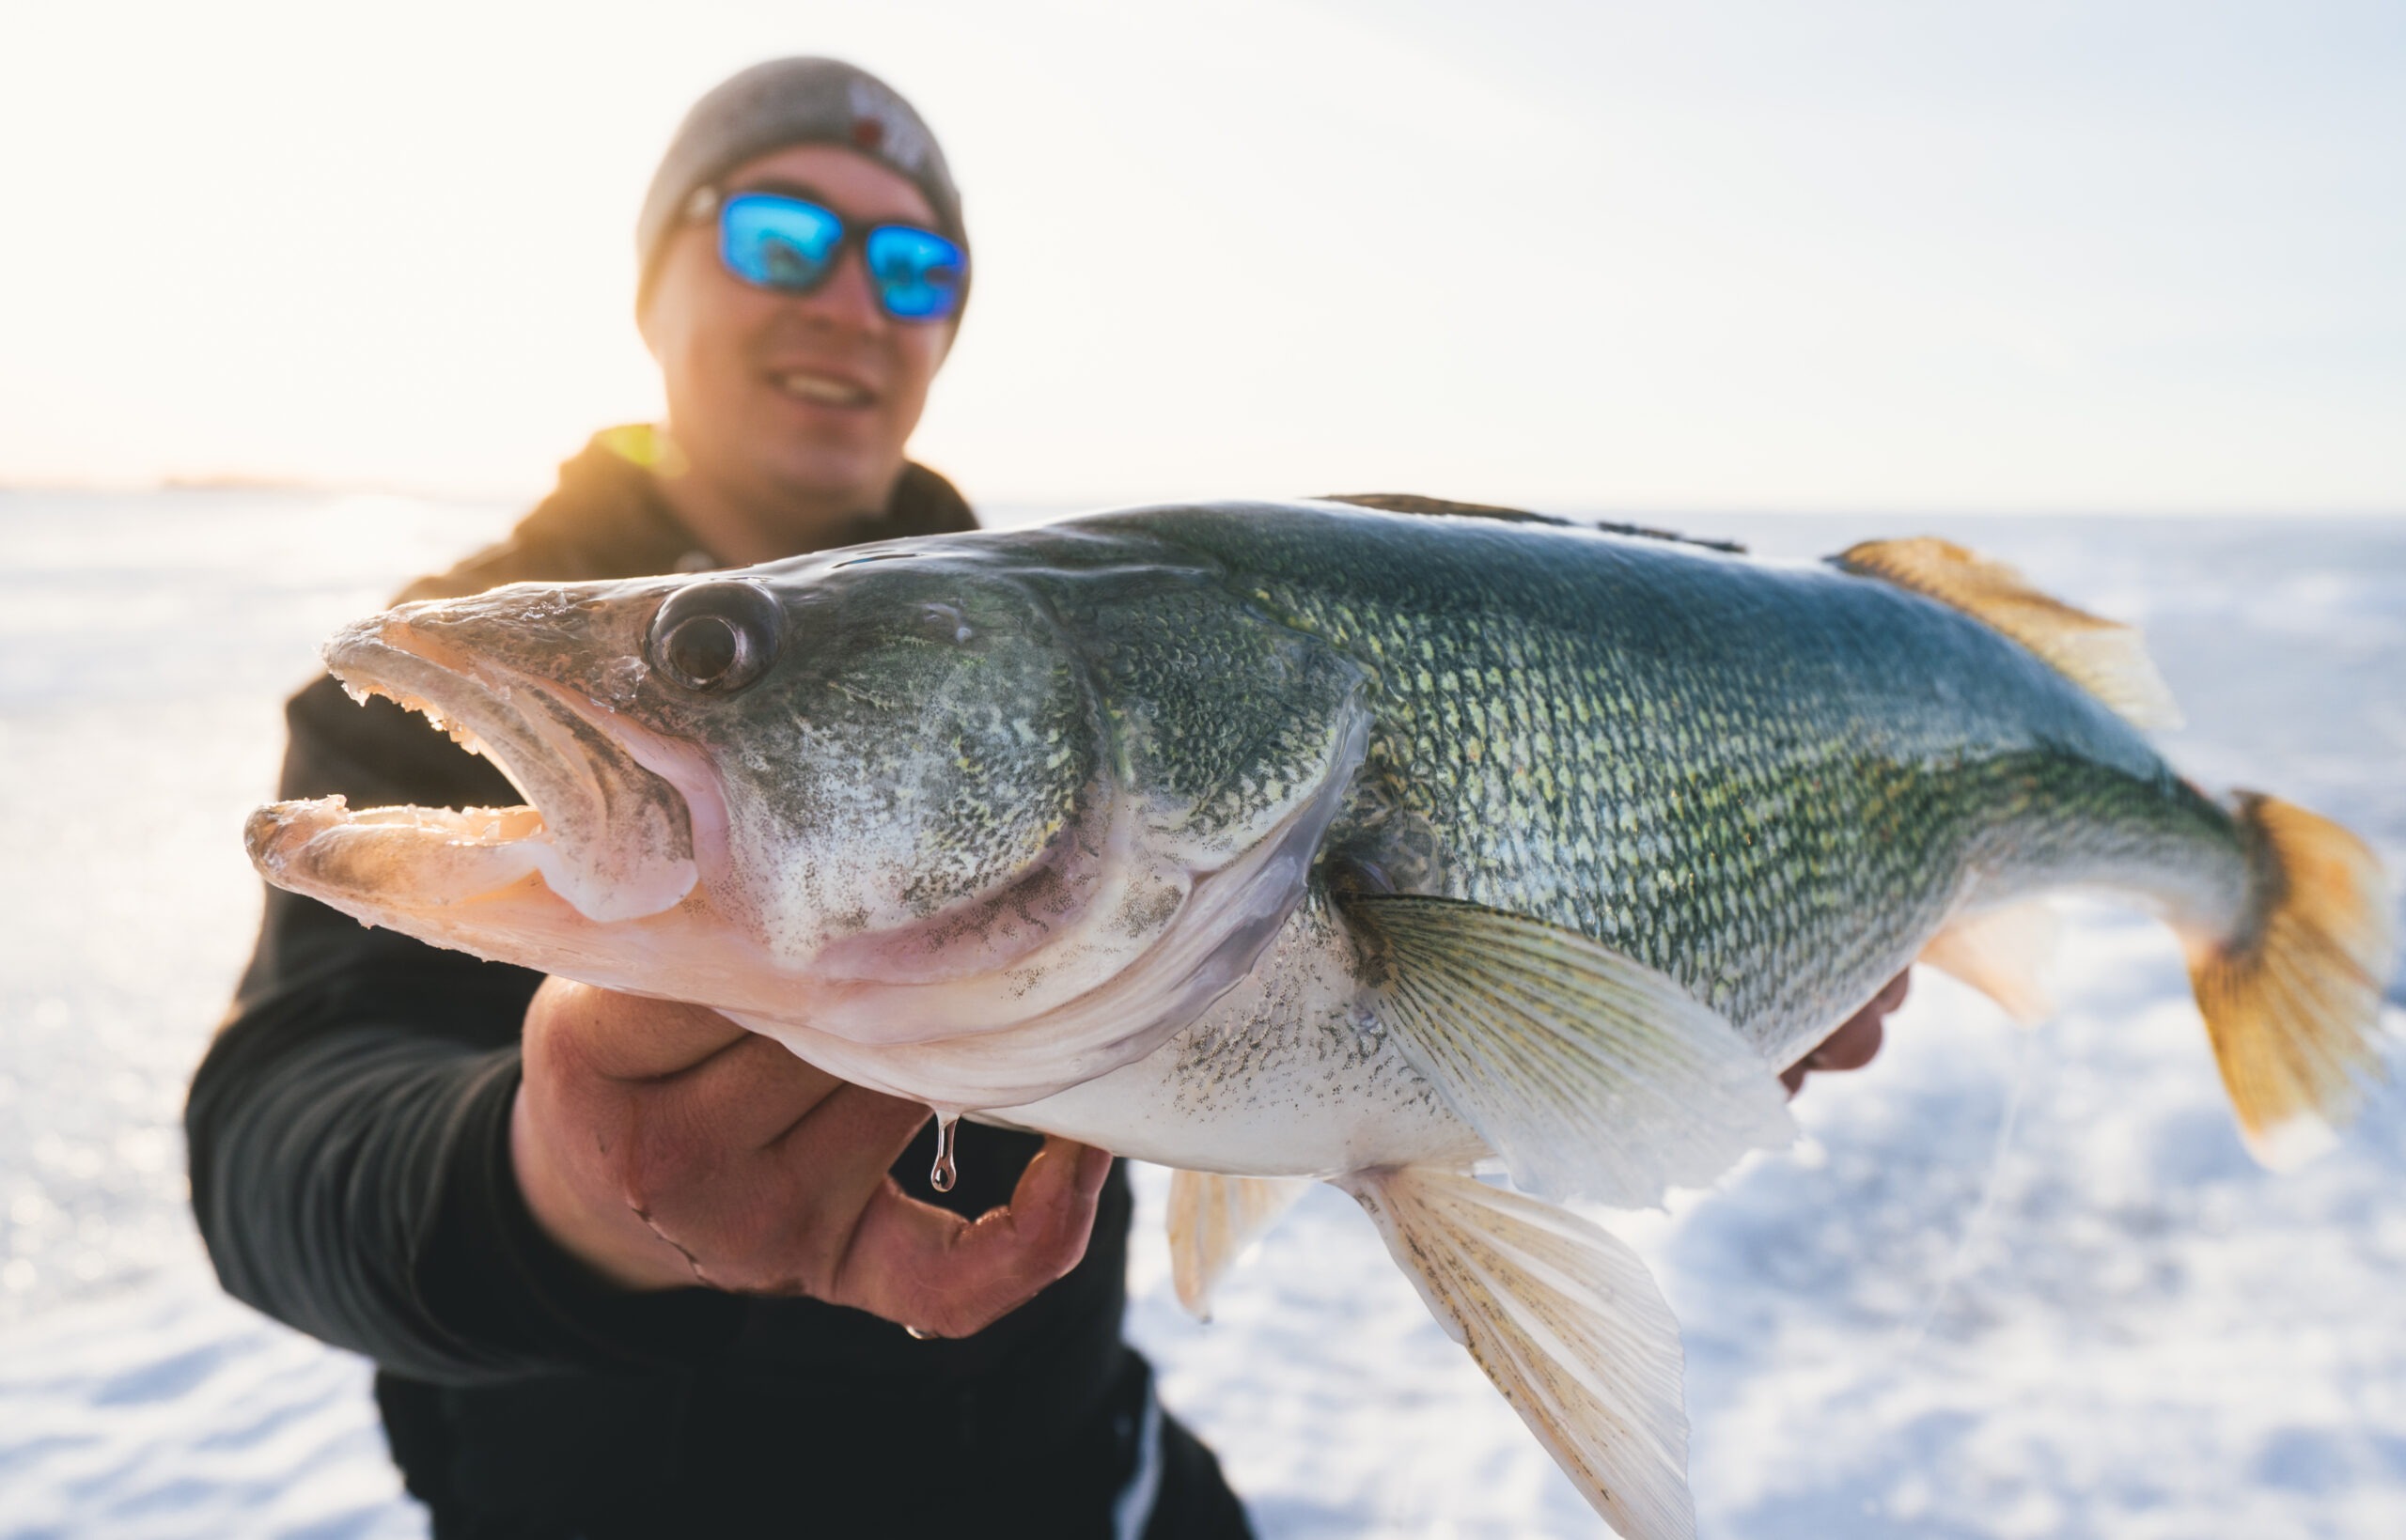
{"x": 1772, "y": 782}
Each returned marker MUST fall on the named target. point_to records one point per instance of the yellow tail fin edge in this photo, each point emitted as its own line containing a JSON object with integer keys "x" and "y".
{"x": 2293, "y": 1001}
{"x": 2105, "y": 657}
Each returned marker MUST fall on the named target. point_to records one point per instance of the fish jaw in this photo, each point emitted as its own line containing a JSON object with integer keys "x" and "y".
{"x": 597, "y": 877}
{"x": 471, "y": 881}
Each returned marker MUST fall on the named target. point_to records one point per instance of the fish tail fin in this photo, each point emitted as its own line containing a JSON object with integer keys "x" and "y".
{"x": 2293, "y": 998}
{"x": 1565, "y": 1322}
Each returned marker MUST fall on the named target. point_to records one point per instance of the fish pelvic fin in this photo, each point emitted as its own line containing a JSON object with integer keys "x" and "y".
{"x": 1590, "y": 1073}
{"x": 2293, "y": 1001}
{"x": 2001, "y": 954}
{"x": 1563, "y": 1321}
{"x": 1213, "y": 1218}
{"x": 2105, "y": 657}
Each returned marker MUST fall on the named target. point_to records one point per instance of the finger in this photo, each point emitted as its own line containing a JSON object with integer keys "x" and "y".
{"x": 1857, "y": 1040}
{"x": 623, "y": 1037}
{"x": 748, "y": 1095}
{"x": 1853, "y": 1046}
{"x": 778, "y": 1218}
{"x": 936, "y": 1273}
{"x": 853, "y": 1132}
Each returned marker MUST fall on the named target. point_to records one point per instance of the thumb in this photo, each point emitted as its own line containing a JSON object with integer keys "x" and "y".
{"x": 929, "y": 1270}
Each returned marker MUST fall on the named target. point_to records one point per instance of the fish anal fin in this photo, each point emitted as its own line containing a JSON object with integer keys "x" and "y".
{"x": 2001, "y": 952}
{"x": 1563, "y": 1321}
{"x": 2105, "y": 657}
{"x": 1590, "y": 1073}
{"x": 2294, "y": 1001}
{"x": 1213, "y": 1218}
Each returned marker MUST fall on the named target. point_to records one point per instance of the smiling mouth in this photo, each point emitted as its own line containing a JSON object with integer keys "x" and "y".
{"x": 825, "y": 390}
{"x": 608, "y": 836}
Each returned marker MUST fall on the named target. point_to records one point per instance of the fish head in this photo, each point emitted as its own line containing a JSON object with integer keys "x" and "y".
{"x": 888, "y": 744}
{"x": 890, "y": 795}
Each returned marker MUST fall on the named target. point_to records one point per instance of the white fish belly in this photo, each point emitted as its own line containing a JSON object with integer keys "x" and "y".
{"x": 1287, "y": 1074}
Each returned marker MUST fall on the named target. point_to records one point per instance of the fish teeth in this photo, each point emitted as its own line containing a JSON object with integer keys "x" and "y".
{"x": 458, "y": 733}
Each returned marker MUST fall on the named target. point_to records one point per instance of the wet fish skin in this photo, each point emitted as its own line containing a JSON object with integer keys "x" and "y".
{"x": 1771, "y": 781}
{"x": 1278, "y": 840}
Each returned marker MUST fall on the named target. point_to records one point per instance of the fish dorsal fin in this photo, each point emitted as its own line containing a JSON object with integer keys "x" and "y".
{"x": 1213, "y": 1218}
{"x": 2105, "y": 657}
{"x": 2001, "y": 952}
{"x": 1413, "y": 503}
{"x": 1565, "y": 1322}
{"x": 1589, "y": 1072}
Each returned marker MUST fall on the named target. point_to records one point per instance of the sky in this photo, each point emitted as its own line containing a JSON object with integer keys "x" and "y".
{"x": 2116, "y": 256}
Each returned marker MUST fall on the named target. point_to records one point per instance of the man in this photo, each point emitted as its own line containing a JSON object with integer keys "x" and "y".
{"x": 626, "y": 1269}
{"x": 641, "y": 1276}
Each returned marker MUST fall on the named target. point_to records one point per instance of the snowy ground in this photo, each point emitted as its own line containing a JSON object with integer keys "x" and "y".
{"x": 2012, "y": 1284}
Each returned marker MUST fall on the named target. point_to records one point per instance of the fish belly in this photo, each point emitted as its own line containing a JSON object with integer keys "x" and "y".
{"x": 1286, "y": 1075}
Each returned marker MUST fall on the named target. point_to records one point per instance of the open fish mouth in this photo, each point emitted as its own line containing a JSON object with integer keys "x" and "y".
{"x": 608, "y": 833}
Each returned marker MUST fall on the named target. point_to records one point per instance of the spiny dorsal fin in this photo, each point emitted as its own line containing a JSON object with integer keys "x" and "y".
{"x": 1566, "y": 1323}
{"x": 2104, "y": 657}
{"x": 1415, "y": 503}
{"x": 1213, "y": 1218}
{"x": 1589, "y": 1072}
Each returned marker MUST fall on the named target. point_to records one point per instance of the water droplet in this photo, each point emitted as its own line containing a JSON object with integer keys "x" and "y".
{"x": 944, "y": 1173}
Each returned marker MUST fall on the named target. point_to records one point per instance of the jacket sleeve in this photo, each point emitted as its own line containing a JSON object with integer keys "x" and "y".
{"x": 350, "y": 1127}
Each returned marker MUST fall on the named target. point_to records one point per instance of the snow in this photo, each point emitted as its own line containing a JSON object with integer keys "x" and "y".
{"x": 2012, "y": 1284}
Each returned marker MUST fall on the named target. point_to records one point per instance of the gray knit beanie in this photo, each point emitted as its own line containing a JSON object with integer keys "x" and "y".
{"x": 790, "y": 102}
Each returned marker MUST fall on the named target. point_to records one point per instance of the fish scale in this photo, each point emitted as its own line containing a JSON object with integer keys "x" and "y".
{"x": 1718, "y": 765}
{"x": 1275, "y": 841}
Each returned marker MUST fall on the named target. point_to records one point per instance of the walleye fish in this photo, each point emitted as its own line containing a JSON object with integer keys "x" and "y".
{"x": 1359, "y": 840}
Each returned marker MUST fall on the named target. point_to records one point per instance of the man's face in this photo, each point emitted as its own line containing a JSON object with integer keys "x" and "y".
{"x": 784, "y": 399}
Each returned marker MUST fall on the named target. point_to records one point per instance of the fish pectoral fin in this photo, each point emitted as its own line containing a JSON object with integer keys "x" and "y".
{"x": 1589, "y": 1072}
{"x": 2104, "y": 657}
{"x": 1213, "y": 1218}
{"x": 2001, "y": 954}
{"x": 1564, "y": 1320}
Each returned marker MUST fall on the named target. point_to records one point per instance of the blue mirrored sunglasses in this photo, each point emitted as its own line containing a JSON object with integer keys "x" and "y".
{"x": 790, "y": 245}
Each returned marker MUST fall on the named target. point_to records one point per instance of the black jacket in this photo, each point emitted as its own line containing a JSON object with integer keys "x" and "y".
{"x": 350, "y": 1173}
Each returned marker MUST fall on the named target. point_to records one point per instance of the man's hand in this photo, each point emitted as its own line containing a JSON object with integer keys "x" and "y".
{"x": 1855, "y": 1042}
{"x": 664, "y": 1146}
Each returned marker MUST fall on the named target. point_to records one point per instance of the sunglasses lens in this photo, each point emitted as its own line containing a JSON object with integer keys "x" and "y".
{"x": 917, "y": 273}
{"x": 777, "y": 243}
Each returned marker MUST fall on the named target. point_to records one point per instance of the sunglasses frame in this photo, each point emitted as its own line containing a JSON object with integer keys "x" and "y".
{"x": 713, "y": 204}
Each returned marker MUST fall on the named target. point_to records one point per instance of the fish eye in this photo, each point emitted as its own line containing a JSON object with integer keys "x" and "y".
{"x": 717, "y": 637}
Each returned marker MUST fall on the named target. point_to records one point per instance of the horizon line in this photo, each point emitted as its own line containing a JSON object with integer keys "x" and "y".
{"x": 468, "y": 495}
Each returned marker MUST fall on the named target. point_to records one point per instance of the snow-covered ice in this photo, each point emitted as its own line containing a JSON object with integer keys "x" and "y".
{"x": 2012, "y": 1284}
